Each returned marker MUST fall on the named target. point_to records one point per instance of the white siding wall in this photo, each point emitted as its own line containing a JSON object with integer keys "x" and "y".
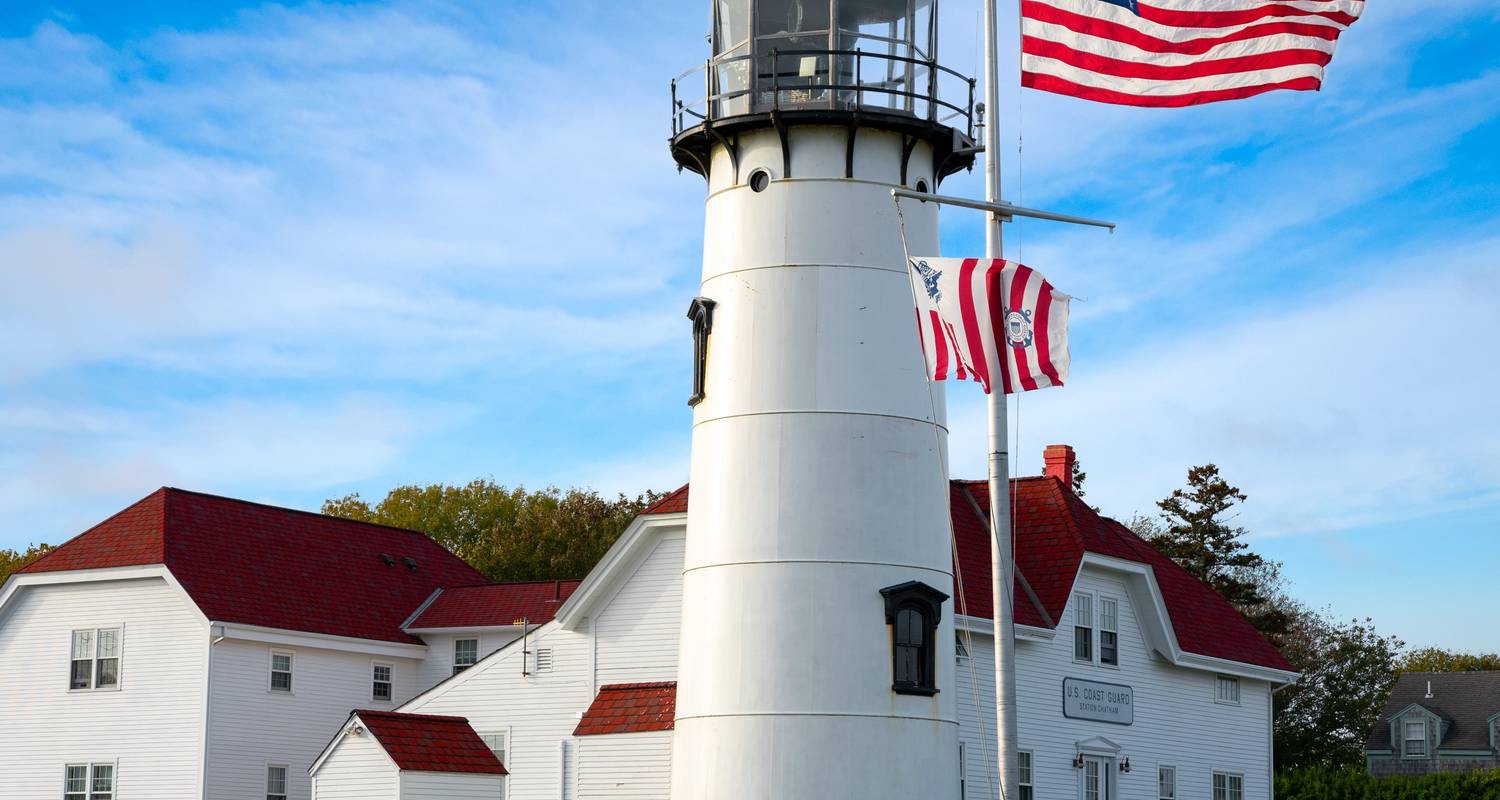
{"x": 637, "y": 766}
{"x": 152, "y": 727}
{"x": 1177, "y": 722}
{"x": 446, "y": 786}
{"x": 252, "y": 726}
{"x": 357, "y": 769}
{"x": 536, "y": 711}
{"x": 639, "y": 630}
{"x": 438, "y": 666}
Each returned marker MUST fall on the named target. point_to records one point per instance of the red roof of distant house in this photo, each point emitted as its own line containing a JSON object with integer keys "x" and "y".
{"x": 494, "y": 604}
{"x": 1053, "y": 529}
{"x": 254, "y": 564}
{"x": 630, "y": 708}
{"x": 429, "y": 743}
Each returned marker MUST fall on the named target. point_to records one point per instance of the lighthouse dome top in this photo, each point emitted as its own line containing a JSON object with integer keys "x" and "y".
{"x": 853, "y": 63}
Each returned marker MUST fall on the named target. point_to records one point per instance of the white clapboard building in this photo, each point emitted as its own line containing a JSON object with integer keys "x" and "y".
{"x": 194, "y": 646}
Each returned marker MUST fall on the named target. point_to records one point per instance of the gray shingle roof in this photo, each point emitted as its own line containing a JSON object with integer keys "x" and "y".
{"x": 1466, "y": 699}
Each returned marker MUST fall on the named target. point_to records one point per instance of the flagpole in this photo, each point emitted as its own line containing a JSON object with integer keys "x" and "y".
{"x": 1001, "y": 562}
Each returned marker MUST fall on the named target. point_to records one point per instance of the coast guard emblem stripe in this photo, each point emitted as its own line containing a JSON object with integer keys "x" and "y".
{"x": 989, "y": 321}
{"x": 1179, "y": 52}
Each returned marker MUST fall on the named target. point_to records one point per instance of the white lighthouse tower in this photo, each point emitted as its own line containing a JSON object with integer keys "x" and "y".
{"x": 817, "y": 633}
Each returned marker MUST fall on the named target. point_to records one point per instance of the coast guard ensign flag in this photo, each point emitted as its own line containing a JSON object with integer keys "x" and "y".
{"x": 990, "y": 321}
{"x": 1178, "y": 52}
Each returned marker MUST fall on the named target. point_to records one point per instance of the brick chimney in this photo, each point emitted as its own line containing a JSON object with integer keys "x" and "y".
{"x": 1060, "y": 459}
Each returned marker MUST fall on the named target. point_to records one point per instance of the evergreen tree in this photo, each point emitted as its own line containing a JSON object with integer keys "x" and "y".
{"x": 1196, "y": 532}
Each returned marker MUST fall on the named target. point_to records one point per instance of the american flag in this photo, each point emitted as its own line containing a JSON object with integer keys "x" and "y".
{"x": 1178, "y": 52}
{"x": 979, "y": 318}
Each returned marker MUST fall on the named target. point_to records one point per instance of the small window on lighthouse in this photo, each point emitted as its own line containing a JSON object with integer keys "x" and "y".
{"x": 912, "y": 610}
{"x": 701, "y": 312}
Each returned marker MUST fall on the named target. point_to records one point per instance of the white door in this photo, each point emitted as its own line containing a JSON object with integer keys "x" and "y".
{"x": 1094, "y": 778}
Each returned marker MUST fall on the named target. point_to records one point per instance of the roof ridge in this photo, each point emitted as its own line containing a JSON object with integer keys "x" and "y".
{"x": 371, "y": 712}
{"x": 318, "y": 514}
{"x": 101, "y": 523}
{"x": 512, "y": 583}
{"x": 620, "y": 687}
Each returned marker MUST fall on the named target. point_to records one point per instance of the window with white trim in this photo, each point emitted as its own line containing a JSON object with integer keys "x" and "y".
{"x": 1109, "y": 631}
{"x": 95, "y": 659}
{"x": 1414, "y": 738}
{"x": 1227, "y": 689}
{"x": 380, "y": 681}
{"x": 1083, "y": 627}
{"x": 960, "y": 650}
{"x": 275, "y": 782}
{"x": 1228, "y": 786}
{"x": 89, "y": 782}
{"x": 465, "y": 654}
{"x": 281, "y": 671}
{"x": 1024, "y": 780}
{"x": 1166, "y": 783}
{"x": 496, "y": 743}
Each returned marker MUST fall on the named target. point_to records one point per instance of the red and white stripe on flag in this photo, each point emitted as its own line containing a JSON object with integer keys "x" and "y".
{"x": 991, "y": 321}
{"x": 1179, "y": 52}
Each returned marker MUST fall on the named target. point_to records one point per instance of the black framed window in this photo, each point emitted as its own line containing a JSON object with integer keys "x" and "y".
{"x": 913, "y": 610}
{"x": 701, "y": 312}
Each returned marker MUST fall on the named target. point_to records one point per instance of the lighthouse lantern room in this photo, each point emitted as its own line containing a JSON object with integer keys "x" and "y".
{"x": 817, "y": 629}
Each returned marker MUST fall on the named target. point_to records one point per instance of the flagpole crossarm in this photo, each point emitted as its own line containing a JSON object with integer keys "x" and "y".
{"x": 1004, "y": 211}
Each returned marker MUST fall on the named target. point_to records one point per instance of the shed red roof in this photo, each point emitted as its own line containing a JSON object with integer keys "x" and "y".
{"x": 494, "y": 604}
{"x": 255, "y": 564}
{"x": 430, "y": 743}
{"x": 630, "y": 708}
{"x": 1053, "y": 529}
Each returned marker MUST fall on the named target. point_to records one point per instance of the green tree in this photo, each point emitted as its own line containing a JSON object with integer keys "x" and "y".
{"x": 12, "y": 561}
{"x": 1436, "y": 659}
{"x": 509, "y": 534}
{"x": 1195, "y": 531}
{"x": 1347, "y": 670}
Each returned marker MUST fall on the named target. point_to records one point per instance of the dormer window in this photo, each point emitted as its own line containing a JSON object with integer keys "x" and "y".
{"x": 913, "y": 610}
{"x": 1414, "y": 738}
{"x": 465, "y": 654}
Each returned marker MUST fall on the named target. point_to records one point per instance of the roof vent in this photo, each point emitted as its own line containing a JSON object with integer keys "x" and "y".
{"x": 385, "y": 558}
{"x": 411, "y": 563}
{"x": 1429, "y": 690}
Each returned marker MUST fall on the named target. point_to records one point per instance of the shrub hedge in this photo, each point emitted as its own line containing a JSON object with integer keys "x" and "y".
{"x": 1334, "y": 784}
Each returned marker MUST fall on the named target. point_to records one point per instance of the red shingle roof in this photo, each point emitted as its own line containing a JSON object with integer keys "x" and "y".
{"x": 1053, "y": 529}
{"x": 495, "y": 604}
{"x": 429, "y": 743}
{"x": 630, "y": 708}
{"x": 674, "y": 503}
{"x": 254, "y": 564}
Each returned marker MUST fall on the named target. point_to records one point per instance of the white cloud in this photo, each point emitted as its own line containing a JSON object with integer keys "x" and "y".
{"x": 1371, "y": 403}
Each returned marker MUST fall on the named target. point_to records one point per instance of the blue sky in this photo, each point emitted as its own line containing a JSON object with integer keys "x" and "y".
{"x": 286, "y": 252}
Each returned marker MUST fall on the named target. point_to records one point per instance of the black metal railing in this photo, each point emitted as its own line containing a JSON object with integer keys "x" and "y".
{"x": 833, "y": 80}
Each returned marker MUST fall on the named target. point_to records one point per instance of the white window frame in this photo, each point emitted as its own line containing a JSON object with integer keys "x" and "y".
{"x": 286, "y": 779}
{"x": 390, "y": 681}
{"x": 1231, "y": 792}
{"x": 457, "y": 667}
{"x": 90, "y": 768}
{"x": 290, "y": 671}
{"x": 1166, "y": 790}
{"x": 94, "y": 659}
{"x": 1221, "y": 681}
{"x": 960, "y": 649}
{"x": 1083, "y": 606}
{"x": 1025, "y": 777}
{"x": 504, "y": 734}
{"x": 1113, "y": 620}
{"x": 1406, "y": 738}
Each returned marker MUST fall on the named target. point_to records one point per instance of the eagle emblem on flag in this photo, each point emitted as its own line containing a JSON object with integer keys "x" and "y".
{"x": 930, "y": 278}
{"x": 1018, "y": 328}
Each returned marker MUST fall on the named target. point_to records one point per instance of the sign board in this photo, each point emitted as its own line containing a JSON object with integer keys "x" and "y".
{"x": 1101, "y": 702}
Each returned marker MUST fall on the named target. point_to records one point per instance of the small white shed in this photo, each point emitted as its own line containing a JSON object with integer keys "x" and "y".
{"x": 386, "y": 755}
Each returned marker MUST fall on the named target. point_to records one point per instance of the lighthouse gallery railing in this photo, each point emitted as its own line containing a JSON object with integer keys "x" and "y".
{"x": 832, "y": 80}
